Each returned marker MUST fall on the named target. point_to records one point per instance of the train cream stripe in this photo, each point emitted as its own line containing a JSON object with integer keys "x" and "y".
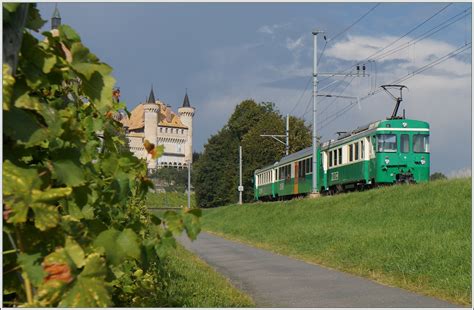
{"x": 403, "y": 129}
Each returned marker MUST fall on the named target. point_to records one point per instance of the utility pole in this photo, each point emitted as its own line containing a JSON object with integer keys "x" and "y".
{"x": 286, "y": 135}
{"x": 287, "y": 146}
{"x": 314, "y": 189}
{"x": 189, "y": 184}
{"x": 240, "y": 188}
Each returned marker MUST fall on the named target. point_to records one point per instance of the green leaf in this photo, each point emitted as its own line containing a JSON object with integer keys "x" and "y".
{"x": 11, "y": 7}
{"x": 90, "y": 288}
{"x": 16, "y": 116}
{"x": 75, "y": 252}
{"x": 118, "y": 245}
{"x": 174, "y": 222}
{"x": 192, "y": 225}
{"x": 46, "y": 216}
{"x": 67, "y": 33}
{"x": 52, "y": 194}
{"x": 30, "y": 265}
{"x": 127, "y": 241}
{"x": 155, "y": 219}
{"x": 19, "y": 211}
{"x": 88, "y": 212}
{"x": 17, "y": 181}
{"x": 68, "y": 172}
{"x": 34, "y": 20}
{"x": 165, "y": 245}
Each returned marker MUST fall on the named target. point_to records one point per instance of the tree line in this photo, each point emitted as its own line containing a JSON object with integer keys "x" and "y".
{"x": 216, "y": 174}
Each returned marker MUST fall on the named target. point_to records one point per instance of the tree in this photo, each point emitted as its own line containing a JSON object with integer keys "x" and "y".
{"x": 217, "y": 170}
{"x": 437, "y": 176}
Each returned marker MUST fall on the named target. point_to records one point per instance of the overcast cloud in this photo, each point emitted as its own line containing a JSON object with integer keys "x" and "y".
{"x": 226, "y": 53}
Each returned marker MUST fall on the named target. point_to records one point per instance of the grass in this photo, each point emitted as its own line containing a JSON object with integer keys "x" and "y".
{"x": 416, "y": 237}
{"x": 169, "y": 200}
{"x": 192, "y": 283}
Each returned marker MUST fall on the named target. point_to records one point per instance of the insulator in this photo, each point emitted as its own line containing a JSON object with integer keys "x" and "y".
{"x": 358, "y": 68}
{"x": 363, "y": 67}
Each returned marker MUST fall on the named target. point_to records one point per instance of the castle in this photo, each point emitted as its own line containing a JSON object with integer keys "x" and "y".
{"x": 154, "y": 121}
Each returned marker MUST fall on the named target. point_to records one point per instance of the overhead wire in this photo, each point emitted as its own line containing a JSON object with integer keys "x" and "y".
{"x": 403, "y": 78}
{"x": 302, "y": 94}
{"x": 345, "y": 30}
{"x": 393, "y": 42}
{"x": 425, "y": 35}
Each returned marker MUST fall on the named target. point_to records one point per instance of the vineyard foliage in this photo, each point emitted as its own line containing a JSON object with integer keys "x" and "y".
{"x": 76, "y": 232}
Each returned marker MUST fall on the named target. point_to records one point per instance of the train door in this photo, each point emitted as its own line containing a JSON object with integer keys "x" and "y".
{"x": 295, "y": 184}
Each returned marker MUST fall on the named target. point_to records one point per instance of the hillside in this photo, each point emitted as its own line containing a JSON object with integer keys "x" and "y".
{"x": 416, "y": 237}
{"x": 169, "y": 200}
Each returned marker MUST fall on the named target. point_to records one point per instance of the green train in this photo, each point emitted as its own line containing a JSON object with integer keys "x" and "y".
{"x": 383, "y": 152}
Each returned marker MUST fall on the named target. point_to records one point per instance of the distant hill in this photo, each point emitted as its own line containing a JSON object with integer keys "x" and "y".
{"x": 412, "y": 236}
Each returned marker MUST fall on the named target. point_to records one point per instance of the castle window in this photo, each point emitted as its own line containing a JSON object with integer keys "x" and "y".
{"x": 178, "y": 147}
{"x": 161, "y": 129}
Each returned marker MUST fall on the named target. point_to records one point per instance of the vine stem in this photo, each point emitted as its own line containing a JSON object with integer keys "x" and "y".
{"x": 28, "y": 288}
{"x": 29, "y": 294}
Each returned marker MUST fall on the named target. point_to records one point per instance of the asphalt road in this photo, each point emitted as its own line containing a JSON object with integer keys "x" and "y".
{"x": 274, "y": 280}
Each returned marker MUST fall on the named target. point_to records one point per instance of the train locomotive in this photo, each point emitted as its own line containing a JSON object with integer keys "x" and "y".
{"x": 395, "y": 150}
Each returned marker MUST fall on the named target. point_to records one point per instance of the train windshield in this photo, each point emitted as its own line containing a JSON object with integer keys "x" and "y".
{"x": 421, "y": 143}
{"x": 386, "y": 143}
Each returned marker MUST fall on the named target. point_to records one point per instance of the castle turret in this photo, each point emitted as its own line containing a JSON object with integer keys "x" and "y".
{"x": 56, "y": 19}
{"x": 151, "y": 111}
{"x": 186, "y": 114}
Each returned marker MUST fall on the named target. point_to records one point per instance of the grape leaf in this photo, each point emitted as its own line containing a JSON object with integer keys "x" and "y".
{"x": 68, "y": 172}
{"x": 30, "y": 265}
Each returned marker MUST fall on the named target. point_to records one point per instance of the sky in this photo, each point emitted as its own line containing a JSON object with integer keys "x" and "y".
{"x": 224, "y": 53}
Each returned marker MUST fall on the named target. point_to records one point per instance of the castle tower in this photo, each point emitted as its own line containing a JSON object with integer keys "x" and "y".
{"x": 56, "y": 19}
{"x": 186, "y": 114}
{"x": 151, "y": 111}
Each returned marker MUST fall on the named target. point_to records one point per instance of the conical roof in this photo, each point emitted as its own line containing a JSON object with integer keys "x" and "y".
{"x": 186, "y": 101}
{"x": 56, "y": 12}
{"x": 151, "y": 97}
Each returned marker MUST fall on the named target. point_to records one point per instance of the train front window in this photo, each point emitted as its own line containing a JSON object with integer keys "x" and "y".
{"x": 421, "y": 143}
{"x": 386, "y": 143}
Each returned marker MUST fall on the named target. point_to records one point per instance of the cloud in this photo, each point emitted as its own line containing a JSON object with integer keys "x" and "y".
{"x": 295, "y": 44}
{"x": 271, "y": 29}
{"x": 357, "y": 48}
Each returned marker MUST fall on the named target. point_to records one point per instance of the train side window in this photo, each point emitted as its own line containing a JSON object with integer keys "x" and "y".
{"x": 362, "y": 149}
{"x": 334, "y": 160}
{"x": 311, "y": 166}
{"x": 330, "y": 159}
{"x": 356, "y": 151}
{"x": 351, "y": 151}
{"x": 340, "y": 155}
{"x": 404, "y": 143}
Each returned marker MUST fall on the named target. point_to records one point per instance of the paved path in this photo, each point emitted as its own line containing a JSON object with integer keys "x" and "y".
{"x": 278, "y": 281}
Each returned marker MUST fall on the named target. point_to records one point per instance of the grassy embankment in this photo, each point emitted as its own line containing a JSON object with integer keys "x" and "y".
{"x": 192, "y": 283}
{"x": 169, "y": 200}
{"x": 416, "y": 237}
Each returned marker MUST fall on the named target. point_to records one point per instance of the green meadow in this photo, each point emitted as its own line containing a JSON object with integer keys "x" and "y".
{"x": 416, "y": 237}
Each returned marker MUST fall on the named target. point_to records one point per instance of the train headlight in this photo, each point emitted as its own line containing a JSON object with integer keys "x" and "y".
{"x": 387, "y": 161}
{"x": 423, "y": 161}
